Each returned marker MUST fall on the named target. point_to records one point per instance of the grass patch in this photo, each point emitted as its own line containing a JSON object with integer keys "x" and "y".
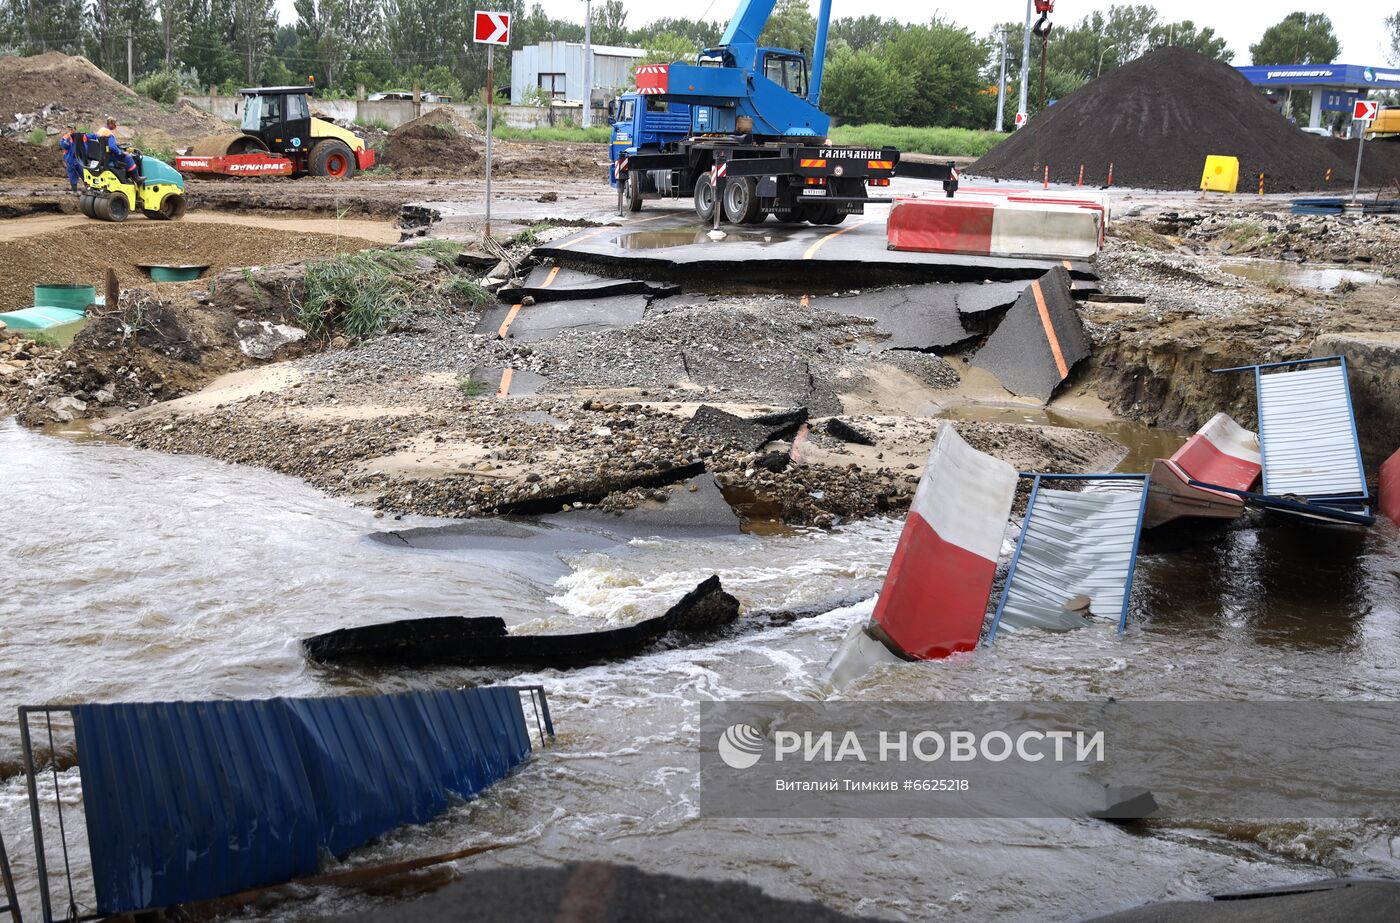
{"x": 530, "y": 237}
{"x": 948, "y": 142}
{"x": 41, "y": 338}
{"x": 445, "y": 252}
{"x": 356, "y": 292}
{"x": 598, "y": 134}
{"x": 461, "y": 288}
{"x": 373, "y": 124}
{"x": 38, "y": 136}
{"x": 471, "y": 387}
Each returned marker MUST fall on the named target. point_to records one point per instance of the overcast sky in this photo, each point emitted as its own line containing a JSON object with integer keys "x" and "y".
{"x": 1359, "y": 23}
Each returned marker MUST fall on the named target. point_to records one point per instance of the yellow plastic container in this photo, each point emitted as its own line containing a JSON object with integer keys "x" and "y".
{"x": 1222, "y": 174}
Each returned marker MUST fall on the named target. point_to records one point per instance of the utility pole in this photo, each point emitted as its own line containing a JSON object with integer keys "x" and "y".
{"x": 1001, "y": 85}
{"x": 130, "y": 69}
{"x": 587, "y": 63}
{"x": 1026, "y": 56}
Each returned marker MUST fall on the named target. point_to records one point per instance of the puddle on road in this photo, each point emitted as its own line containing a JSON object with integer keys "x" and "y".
{"x": 1302, "y": 275}
{"x": 1144, "y": 443}
{"x": 684, "y": 237}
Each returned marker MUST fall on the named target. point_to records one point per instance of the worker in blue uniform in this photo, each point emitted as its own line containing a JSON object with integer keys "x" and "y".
{"x": 69, "y": 144}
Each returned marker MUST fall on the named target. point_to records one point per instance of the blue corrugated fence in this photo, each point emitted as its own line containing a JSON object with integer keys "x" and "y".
{"x": 186, "y": 801}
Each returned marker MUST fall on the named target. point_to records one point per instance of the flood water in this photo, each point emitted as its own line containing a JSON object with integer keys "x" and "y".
{"x": 136, "y": 576}
{"x": 1303, "y": 275}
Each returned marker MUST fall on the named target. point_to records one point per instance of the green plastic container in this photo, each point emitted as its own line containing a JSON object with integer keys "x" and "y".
{"x": 174, "y": 273}
{"x": 40, "y": 317}
{"x": 75, "y": 297}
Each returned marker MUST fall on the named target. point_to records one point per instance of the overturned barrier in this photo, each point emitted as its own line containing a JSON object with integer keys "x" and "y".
{"x": 190, "y": 801}
{"x": 1223, "y": 453}
{"x": 1310, "y": 456}
{"x": 995, "y": 227}
{"x": 1076, "y": 554}
{"x": 1390, "y": 488}
{"x": 1040, "y": 340}
{"x": 935, "y": 594}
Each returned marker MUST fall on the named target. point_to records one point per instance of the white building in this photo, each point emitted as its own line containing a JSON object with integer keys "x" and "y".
{"x": 557, "y": 69}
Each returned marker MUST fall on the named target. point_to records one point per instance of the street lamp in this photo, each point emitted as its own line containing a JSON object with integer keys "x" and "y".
{"x": 1099, "y": 70}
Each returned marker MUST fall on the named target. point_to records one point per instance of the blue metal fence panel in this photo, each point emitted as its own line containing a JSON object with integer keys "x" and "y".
{"x": 1073, "y": 543}
{"x": 186, "y": 801}
{"x": 1307, "y": 434}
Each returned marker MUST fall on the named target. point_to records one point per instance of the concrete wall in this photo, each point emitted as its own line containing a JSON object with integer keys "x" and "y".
{"x": 394, "y": 112}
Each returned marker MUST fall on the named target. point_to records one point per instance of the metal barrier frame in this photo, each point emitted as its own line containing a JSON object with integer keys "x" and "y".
{"x": 11, "y": 898}
{"x": 1036, "y": 478}
{"x": 538, "y": 702}
{"x": 1351, "y": 501}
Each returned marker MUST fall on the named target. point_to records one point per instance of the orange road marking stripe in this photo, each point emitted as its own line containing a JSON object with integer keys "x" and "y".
{"x": 1068, "y": 266}
{"x": 795, "y": 453}
{"x": 510, "y": 319}
{"x": 812, "y": 250}
{"x": 506, "y": 374}
{"x": 1049, "y": 330}
{"x": 554, "y": 271}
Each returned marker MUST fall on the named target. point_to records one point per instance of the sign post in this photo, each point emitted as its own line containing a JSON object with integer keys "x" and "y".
{"x": 490, "y": 29}
{"x": 1365, "y": 112}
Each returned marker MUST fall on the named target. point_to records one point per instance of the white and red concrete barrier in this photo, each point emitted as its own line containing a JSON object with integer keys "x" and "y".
{"x": 1389, "y": 493}
{"x": 1221, "y": 453}
{"x": 996, "y": 226}
{"x": 935, "y": 594}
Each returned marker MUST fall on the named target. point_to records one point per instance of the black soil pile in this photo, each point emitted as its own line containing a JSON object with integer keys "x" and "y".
{"x": 18, "y": 158}
{"x": 437, "y": 143}
{"x": 1155, "y": 120}
{"x": 1380, "y": 165}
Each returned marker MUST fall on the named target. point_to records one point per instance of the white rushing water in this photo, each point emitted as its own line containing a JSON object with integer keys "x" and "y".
{"x": 136, "y": 576}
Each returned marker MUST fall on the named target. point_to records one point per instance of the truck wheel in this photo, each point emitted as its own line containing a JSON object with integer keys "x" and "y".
{"x": 332, "y": 158}
{"x": 705, "y": 198}
{"x": 633, "y": 192}
{"x": 824, "y": 213}
{"x": 741, "y": 200}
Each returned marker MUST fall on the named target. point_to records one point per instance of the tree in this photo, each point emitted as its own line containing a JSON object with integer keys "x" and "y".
{"x": 667, "y": 48}
{"x": 700, "y": 33}
{"x": 1392, "y": 26}
{"x": 941, "y": 65}
{"x": 863, "y": 32}
{"x": 610, "y": 23}
{"x": 859, "y": 86}
{"x": 254, "y": 25}
{"x": 1299, "y": 38}
{"x": 1184, "y": 34}
{"x": 792, "y": 25}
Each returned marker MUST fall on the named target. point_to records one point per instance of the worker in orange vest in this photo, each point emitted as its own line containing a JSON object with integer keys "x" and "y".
{"x": 110, "y": 129}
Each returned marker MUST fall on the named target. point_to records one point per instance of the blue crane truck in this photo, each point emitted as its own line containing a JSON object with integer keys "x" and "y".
{"x": 740, "y": 129}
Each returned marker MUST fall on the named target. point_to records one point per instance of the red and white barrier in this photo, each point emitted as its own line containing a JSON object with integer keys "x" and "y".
{"x": 1222, "y": 453}
{"x": 653, "y": 79}
{"x": 935, "y": 594}
{"x": 1389, "y": 494}
{"x": 995, "y": 226}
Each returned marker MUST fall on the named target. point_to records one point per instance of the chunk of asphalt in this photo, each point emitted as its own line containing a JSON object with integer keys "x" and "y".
{"x": 974, "y": 298}
{"x": 553, "y": 283}
{"x": 544, "y": 320}
{"x": 478, "y": 642}
{"x": 607, "y": 483}
{"x": 695, "y": 507}
{"x": 1039, "y": 340}
{"x": 751, "y": 433}
{"x": 913, "y": 316}
{"x": 838, "y": 428}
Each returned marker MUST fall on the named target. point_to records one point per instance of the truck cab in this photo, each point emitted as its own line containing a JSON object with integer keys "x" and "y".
{"x": 644, "y": 123}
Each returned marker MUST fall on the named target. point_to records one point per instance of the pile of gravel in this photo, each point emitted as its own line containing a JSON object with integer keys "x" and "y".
{"x": 1156, "y": 120}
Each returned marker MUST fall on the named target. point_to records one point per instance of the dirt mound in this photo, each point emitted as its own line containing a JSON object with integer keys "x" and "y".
{"x": 20, "y": 159}
{"x": 83, "y": 254}
{"x": 1380, "y": 165}
{"x": 1156, "y": 119}
{"x": 52, "y": 90}
{"x": 437, "y": 143}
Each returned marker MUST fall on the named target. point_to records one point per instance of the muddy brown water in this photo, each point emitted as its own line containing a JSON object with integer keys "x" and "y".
{"x": 131, "y": 575}
{"x": 1302, "y": 275}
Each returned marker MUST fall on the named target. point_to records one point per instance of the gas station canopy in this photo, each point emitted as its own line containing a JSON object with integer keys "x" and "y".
{"x": 1334, "y": 87}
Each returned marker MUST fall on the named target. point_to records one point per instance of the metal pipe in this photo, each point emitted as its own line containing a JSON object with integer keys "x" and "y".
{"x": 587, "y": 63}
{"x": 1001, "y": 86}
{"x": 41, "y": 866}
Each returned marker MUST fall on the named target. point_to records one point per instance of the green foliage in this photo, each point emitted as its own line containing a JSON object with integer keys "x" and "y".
{"x": 166, "y": 85}
{"x": 597, "y": 134}
{"x": 165, "y": 154}
{"x": 37, "y": 136}
{"x": 530, "y": 237}
{"x": 464, "y": 289}
{"x": 792, "y": 25}
{"x": 358, "y": 293}
{"x": 1392, "y": 28}
{"x": 1299, "y": 38}
{"x": 862, "y": 87}
{"x": 445, "y": 252}
{"x": 471, "y": 387}
{"x": 375, "y": 124}
{"x": 666, "y": 48}
{"x": 949, "y": 142}
{"x": 40, "y": 337}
